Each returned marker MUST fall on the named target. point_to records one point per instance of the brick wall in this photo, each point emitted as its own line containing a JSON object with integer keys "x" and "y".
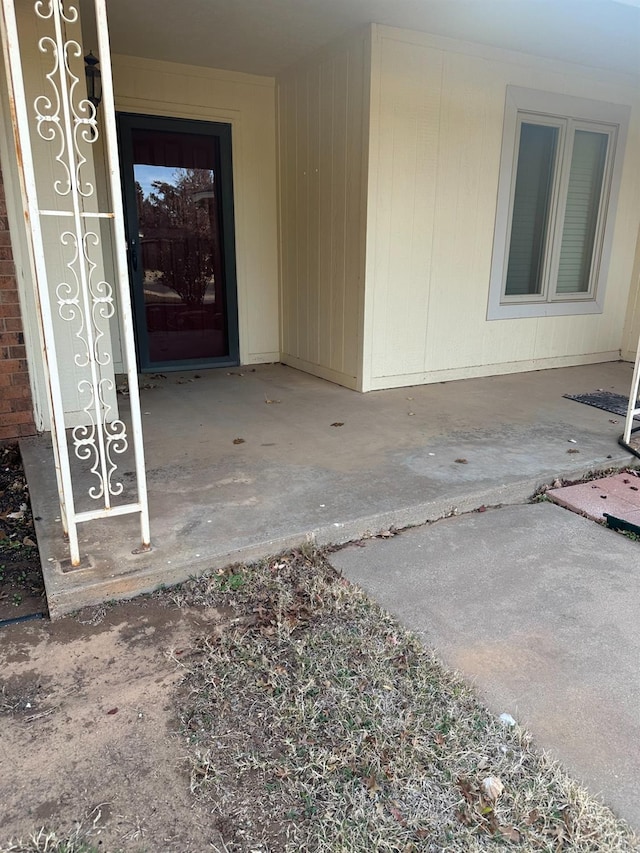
{"x": 16, "y": 407}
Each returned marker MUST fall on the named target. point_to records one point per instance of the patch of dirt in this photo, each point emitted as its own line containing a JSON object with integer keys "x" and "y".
{"x": 88, "y": 719}
{"x": 21, "y": 584}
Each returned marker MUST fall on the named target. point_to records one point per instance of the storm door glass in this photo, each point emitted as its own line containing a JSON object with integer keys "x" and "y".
{"x": 177, "y": 254}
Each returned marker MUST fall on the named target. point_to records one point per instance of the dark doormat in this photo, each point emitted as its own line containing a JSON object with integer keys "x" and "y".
{"x": 617, "y": 404}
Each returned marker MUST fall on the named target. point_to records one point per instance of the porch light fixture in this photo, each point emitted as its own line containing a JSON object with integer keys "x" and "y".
{"x": 94, "y": 79}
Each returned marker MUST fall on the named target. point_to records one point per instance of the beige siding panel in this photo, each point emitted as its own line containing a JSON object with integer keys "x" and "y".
{"x": 339, "y": 238}
{"x": 247, "y": 102}
{"x": 325, "y": 218}
{"x": 312, "y": 252}
{"x": 302, "y": 218}
{"x": 409, "y": 120}
{"x": 355, "y": 227}
{"x": 433, "y": 200}
{"x": 322, "y": 116}
{"x": 632, "y": 321}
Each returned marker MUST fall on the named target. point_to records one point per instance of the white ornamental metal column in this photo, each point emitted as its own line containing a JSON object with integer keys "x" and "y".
{"x": 66, "y": 119}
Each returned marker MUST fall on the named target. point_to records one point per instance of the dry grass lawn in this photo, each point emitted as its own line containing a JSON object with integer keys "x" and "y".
{"x": 311, "y": 721}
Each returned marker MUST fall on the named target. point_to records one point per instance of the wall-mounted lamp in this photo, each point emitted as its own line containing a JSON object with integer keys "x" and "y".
{"x": 94, "y": 79}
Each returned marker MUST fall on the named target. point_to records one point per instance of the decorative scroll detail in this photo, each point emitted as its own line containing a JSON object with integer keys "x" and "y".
{"x": 47, "y": 111}
{"x": 102, "y": 304}
{"x": 116, "y": 439}
{"x": 65, "y": 104}
{"x": 67, "y": 120}
{"x": 69, "y": 306}
{"x": 45, "y": 10}
{"x": 87, "y": 447}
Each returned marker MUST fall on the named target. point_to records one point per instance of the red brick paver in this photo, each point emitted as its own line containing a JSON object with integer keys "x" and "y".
{"x": 618, "y": 495}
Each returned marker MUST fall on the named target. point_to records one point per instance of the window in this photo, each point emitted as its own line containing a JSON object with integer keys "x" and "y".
{"x": 559, "y": 177}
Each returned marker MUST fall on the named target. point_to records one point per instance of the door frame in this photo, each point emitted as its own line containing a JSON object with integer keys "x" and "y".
{"x": 127, "y": 122}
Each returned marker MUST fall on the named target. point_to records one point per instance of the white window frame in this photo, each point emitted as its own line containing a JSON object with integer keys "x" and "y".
{"x": 569, "y": 114}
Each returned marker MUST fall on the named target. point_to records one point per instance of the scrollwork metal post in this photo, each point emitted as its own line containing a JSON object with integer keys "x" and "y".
{"x": 65, "y": 118}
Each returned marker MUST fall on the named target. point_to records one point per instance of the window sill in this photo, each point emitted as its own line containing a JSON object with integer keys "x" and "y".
{"x": 519, "y": 311}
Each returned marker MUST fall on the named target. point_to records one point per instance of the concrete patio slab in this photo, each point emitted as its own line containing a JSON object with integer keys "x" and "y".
{"x": 539, "y": 607}
{"x": 296, "y": 476}
{"x": 618, "y": 495}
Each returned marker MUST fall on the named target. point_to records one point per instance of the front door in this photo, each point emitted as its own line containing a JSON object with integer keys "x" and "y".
{"x": 180, "y": 234}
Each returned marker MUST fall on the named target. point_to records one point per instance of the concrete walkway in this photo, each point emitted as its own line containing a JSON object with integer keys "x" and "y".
{"x": 540, "y": 608}
{"x": 316, "y": 461}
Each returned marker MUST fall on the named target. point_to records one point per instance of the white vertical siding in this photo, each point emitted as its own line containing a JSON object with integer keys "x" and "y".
{"x": 21, "y": 256}
{"x": 632, "y": 320}
{"x": 323, "y": 112}
{"x": 437, "y": 114}
{"x": 247, "y": 102}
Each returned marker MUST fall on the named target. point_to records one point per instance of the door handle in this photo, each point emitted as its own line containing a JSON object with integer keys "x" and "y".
{"x": 133, "y": 249}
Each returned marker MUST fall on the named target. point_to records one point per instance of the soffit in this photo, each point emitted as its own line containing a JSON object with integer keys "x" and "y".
{"x": 266, "y": 36}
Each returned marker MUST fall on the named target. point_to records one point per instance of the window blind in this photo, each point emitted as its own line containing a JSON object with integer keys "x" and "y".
{"x": 531, "y": 203}
{"x": 581, "y": 213}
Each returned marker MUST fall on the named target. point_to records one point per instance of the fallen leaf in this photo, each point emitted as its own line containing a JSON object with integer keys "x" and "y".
{"x": 112, "y": 711}
{"x": 397, "y": 814}
{"x": 468, "y": 791}
{"x": 387, "y": 534}
{"x": 372, "y": 784}
{"x": 238, "y": 440}
{"x": 462, "y": 461}
{"x": 481, "y": 508}
{"x": 492, "y": 788}
{"x": 337, "y": 423}
{"x": 28, "y": 542}
{"x": 510, "y": 833}
{"x": 464, "y": 816}
{"x": 268, "y": 402}
{"x": 573, "y": 450}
